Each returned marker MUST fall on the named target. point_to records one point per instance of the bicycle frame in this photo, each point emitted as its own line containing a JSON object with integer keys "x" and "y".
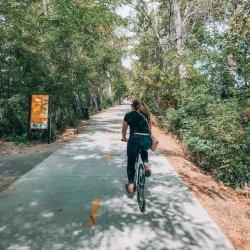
{"x": 140, "y": 182}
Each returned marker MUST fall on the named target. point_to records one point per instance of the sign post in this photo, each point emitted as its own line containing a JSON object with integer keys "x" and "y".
{"x": 39, "y": 114}
{"x": 49, "y": 123}
{"x": 29, "y": 131}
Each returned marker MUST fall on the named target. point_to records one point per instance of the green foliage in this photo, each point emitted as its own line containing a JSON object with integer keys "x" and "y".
{"x": 18, "y": 139}
{"x": 211, "y": 104}
{"x": 13, "y": 120}
{"x": 216, "y": 136}
{"x": 68, "y": 49}
{"x": 175, "y": 118}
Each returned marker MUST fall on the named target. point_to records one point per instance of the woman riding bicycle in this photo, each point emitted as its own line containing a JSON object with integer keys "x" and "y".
{"x": 140, "y": 126}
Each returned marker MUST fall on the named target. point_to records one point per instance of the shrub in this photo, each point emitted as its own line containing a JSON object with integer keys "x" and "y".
{"x": 18, "y": 139}
{"x": 217, "y": 135}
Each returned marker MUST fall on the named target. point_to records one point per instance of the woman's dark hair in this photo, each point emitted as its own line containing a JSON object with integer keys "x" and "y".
{"x": 136, "y": 104}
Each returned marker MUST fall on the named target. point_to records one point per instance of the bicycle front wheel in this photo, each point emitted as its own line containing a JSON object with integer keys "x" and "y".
{"x": 141, "y": 189}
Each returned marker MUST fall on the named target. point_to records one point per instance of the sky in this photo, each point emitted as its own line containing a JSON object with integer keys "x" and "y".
{"x": 124, "y": 12}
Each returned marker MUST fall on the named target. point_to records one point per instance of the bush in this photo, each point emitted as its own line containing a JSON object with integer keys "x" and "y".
{"x": 217, "y": 135}
{"x": 14, "y": 116}
{"x": 18, "y": 139}
{"x": 175, "y": 118}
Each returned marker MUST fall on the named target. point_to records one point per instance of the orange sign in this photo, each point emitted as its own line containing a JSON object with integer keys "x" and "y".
{"x": 39, "y": 112}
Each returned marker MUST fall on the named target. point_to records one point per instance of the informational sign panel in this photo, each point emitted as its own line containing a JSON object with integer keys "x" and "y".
{"x": 39, "y": 114}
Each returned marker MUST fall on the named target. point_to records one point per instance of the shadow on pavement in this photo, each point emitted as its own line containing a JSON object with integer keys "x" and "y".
{"x": 49, "y": 207}
{"x": 13, "y": 167}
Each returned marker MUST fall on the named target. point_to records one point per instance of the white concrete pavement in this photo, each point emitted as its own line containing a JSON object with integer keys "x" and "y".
{"x": 75, "y": 199}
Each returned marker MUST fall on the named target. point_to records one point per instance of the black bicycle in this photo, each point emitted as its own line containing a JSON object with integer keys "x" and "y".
{"x": 140, "y": 182}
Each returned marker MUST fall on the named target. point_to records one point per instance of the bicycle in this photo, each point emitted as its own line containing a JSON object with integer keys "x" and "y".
{"x": 140, "y": 182}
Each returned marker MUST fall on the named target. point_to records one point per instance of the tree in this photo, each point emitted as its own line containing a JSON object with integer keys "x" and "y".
{"x": 68, "y": 49}
{"x": 193, "y": 70}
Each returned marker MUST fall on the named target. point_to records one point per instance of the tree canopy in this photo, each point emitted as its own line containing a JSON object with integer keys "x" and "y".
{"x": 193, "y": 69}
{"x": 68, "y": 49}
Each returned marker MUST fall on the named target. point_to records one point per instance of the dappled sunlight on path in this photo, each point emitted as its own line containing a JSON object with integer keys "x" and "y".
{"x": 50, "y": 207}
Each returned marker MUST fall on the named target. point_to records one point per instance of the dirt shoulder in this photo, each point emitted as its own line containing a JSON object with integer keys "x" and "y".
{"x": 11, "y": 149}
{"x": 228, "y": 208}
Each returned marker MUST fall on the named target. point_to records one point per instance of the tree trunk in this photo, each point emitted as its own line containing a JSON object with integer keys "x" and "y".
{"x": 179, "y": 46}
{"x": 99, "y": 100}
{"x": 232, "y": 65}
{"x": 46, "y": 6}
{"x": 76, "y": 104}
{"x": 2, "y": 84}
{"x": 238, "y": 4}
{"x": 93, "y": 101}
{"x": 109, "y": 91}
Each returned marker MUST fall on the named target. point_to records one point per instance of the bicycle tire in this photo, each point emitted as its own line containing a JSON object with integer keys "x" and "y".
{"x": 141, "y": 189}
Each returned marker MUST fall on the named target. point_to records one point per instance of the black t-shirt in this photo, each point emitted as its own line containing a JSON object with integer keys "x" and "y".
{"x": 137, "y": 123}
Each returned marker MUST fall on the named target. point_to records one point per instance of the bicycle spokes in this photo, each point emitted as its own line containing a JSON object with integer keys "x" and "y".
{"x": 141, "y": 189}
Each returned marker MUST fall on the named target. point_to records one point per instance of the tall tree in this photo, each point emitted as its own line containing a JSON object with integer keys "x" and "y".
{"x": 193, "y": 69}
{"x": 69, "y": 49}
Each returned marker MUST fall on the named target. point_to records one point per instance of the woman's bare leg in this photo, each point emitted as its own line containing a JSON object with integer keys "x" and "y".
{"x": 144, "y": 156}
{"x": 146, "y": 166}
{"x": 131, "y": 188}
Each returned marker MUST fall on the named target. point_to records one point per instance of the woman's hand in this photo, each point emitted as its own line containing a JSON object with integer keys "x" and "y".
{"x": 124, "y": 131}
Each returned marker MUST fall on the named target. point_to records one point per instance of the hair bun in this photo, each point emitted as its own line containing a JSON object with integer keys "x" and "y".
{"x": 136, "y": 104}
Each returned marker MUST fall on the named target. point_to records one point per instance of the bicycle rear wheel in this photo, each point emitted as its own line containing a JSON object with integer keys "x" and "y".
{"x": 141, "y": 189}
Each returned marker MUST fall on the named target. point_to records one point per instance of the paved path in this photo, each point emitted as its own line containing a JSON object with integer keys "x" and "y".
{"x": 13, "y": 167}
{"x": 75, "y": 199}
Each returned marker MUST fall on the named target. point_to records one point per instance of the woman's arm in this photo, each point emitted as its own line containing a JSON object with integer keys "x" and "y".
{"x": 150, "y": 125}
{"x": 124, "y": 131}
